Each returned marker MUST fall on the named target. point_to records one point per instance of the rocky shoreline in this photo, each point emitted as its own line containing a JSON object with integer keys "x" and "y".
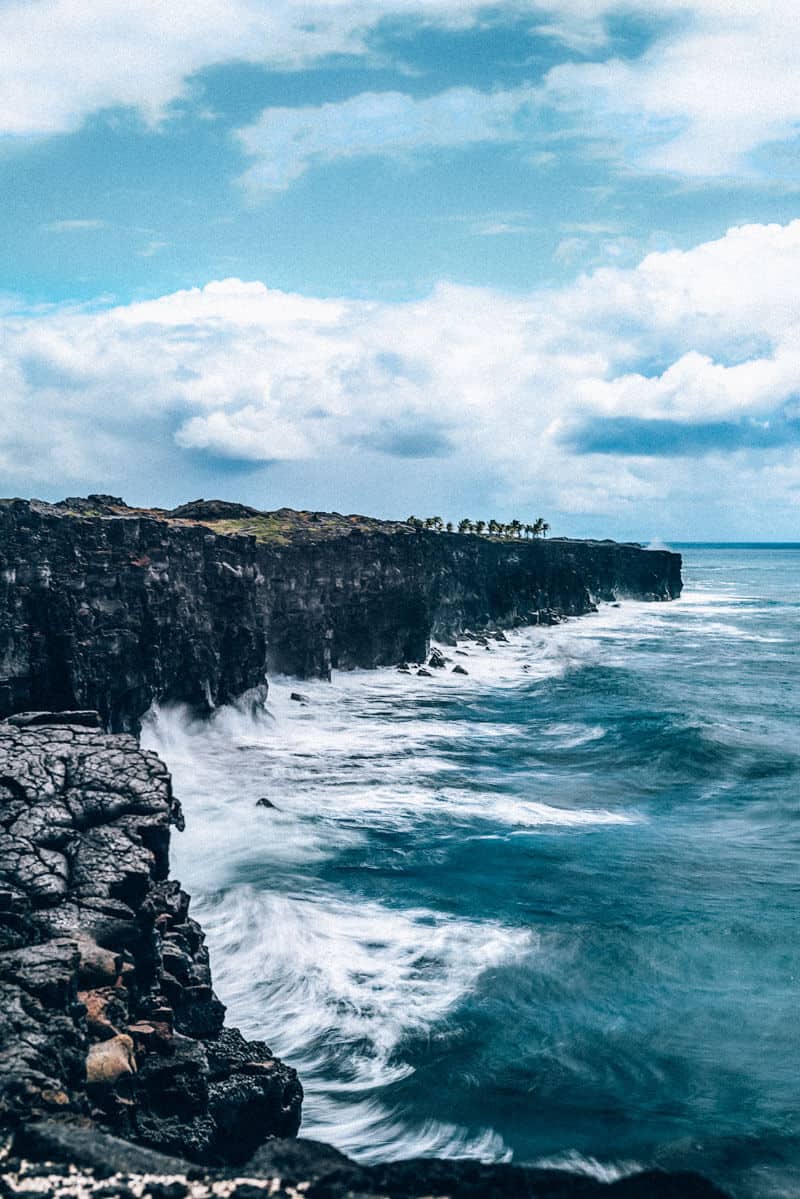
{"x": 118, "y": 1076}
{"x": 107, "y": 1012}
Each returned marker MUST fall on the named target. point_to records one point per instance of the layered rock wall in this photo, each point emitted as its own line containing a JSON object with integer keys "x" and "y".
{"x": 112, "y": 612}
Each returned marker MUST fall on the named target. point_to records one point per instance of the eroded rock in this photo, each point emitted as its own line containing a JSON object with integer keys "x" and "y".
{"x": 107, "y": 1061}
{"x": 107, "y": 1011}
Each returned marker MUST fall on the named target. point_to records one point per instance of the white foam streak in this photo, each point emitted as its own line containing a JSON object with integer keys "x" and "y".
{"x": 337, "y": 987}
{"x": 589, "y": 1167}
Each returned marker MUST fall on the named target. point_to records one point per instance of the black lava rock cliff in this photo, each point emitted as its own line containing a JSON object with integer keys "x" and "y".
{"x": 110, "y": 608}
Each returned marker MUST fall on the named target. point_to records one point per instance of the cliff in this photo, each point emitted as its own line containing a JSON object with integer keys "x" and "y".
{"x": 115, "y": 1066}
{"x": 110, "y": 608}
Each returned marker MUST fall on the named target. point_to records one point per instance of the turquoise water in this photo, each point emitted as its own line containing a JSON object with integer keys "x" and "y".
{"x": 548, "y": 910}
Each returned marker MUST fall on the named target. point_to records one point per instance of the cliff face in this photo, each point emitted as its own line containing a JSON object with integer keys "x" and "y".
{"x": 106, "y": 1006}
{"x": 112, "y": 608}
{"x": 110, "y": 613}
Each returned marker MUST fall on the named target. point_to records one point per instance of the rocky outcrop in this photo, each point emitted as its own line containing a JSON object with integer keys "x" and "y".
{"x": 107, "y": 1013}
{"x": 110, "y": 608}
{"x": 110, "y": 613}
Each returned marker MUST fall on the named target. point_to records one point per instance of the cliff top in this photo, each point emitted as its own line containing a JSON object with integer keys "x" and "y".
{"x": 282, "y": 526}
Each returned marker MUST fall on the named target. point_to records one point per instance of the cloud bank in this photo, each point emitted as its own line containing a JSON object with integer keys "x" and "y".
{"x": 61, "y": 60}
{"x": 716, "y": 82}
{"x": 673, "y": 384}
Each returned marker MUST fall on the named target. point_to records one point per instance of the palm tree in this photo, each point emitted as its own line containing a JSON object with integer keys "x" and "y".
{"x": 537, "y": 526}
{"x": 545, "y": 528}
{"x": 449, "y": 526}
{"x": 480, "y": 527}
{"x": 515, "y": 528}
{"x": 465, "y": 525}
{"x": 494, "y": 528}
{"x": 528, "y": 531}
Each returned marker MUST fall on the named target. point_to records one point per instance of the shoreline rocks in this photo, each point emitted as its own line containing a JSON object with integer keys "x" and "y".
{"x": 107, "y": 1012}
{"x": 68, "y": 1159}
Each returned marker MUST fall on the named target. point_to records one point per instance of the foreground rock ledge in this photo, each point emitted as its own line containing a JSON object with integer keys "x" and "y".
{"x": 117, "y": 1076}
{"x": 107, "y": 1013}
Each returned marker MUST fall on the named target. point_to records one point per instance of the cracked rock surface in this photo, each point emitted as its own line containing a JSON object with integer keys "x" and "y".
{"x": 107, "y": 1012}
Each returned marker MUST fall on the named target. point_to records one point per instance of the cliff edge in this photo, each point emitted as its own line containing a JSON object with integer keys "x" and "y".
{"x": 111, "y": 608}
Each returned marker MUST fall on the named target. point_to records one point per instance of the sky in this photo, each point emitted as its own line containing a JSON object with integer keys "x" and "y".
{"x": 535, "y": 258}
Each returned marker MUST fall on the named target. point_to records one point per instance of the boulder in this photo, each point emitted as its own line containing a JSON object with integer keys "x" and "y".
{"x": 108, "y": 1061}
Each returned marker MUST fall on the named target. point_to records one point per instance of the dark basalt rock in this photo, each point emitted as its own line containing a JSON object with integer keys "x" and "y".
{"x": 87, "y": 720}
{"x": 93, "y": 504}
{"x": 107, "y": 1012}
{"x": 108, "y": 608}
{"x": 212, "y": 510}
{"x": 301, "y": 1167}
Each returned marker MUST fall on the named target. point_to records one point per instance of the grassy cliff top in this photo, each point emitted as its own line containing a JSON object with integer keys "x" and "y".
{"x": 287, "y": 525}
{"x": 284, "y": 526}
{"x": 281, "y": 527}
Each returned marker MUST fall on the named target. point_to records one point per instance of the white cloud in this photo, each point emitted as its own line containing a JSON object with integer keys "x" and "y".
{"x": 152, "y": 248}
{"x": 285, "y": 142}
{"x": 704, "y": 96}
{"x": 718, "y": 85}
{"x": 78, "y": 225}
{"x": 522, "y": 387}
{"x": 719, "y": 81}
{"x": 61, "y": 60}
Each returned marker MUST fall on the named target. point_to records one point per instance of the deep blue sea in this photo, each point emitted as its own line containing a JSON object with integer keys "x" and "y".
{"x": 548, "y": 910}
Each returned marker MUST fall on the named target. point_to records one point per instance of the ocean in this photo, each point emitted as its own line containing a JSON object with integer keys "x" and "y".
{"x": 546, "y": 911}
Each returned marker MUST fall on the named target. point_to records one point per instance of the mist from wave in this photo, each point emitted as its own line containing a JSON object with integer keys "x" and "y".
{"x": 543, "y": 909}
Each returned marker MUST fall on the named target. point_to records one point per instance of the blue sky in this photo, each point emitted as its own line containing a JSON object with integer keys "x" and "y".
{"x": 406, "y": 255}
